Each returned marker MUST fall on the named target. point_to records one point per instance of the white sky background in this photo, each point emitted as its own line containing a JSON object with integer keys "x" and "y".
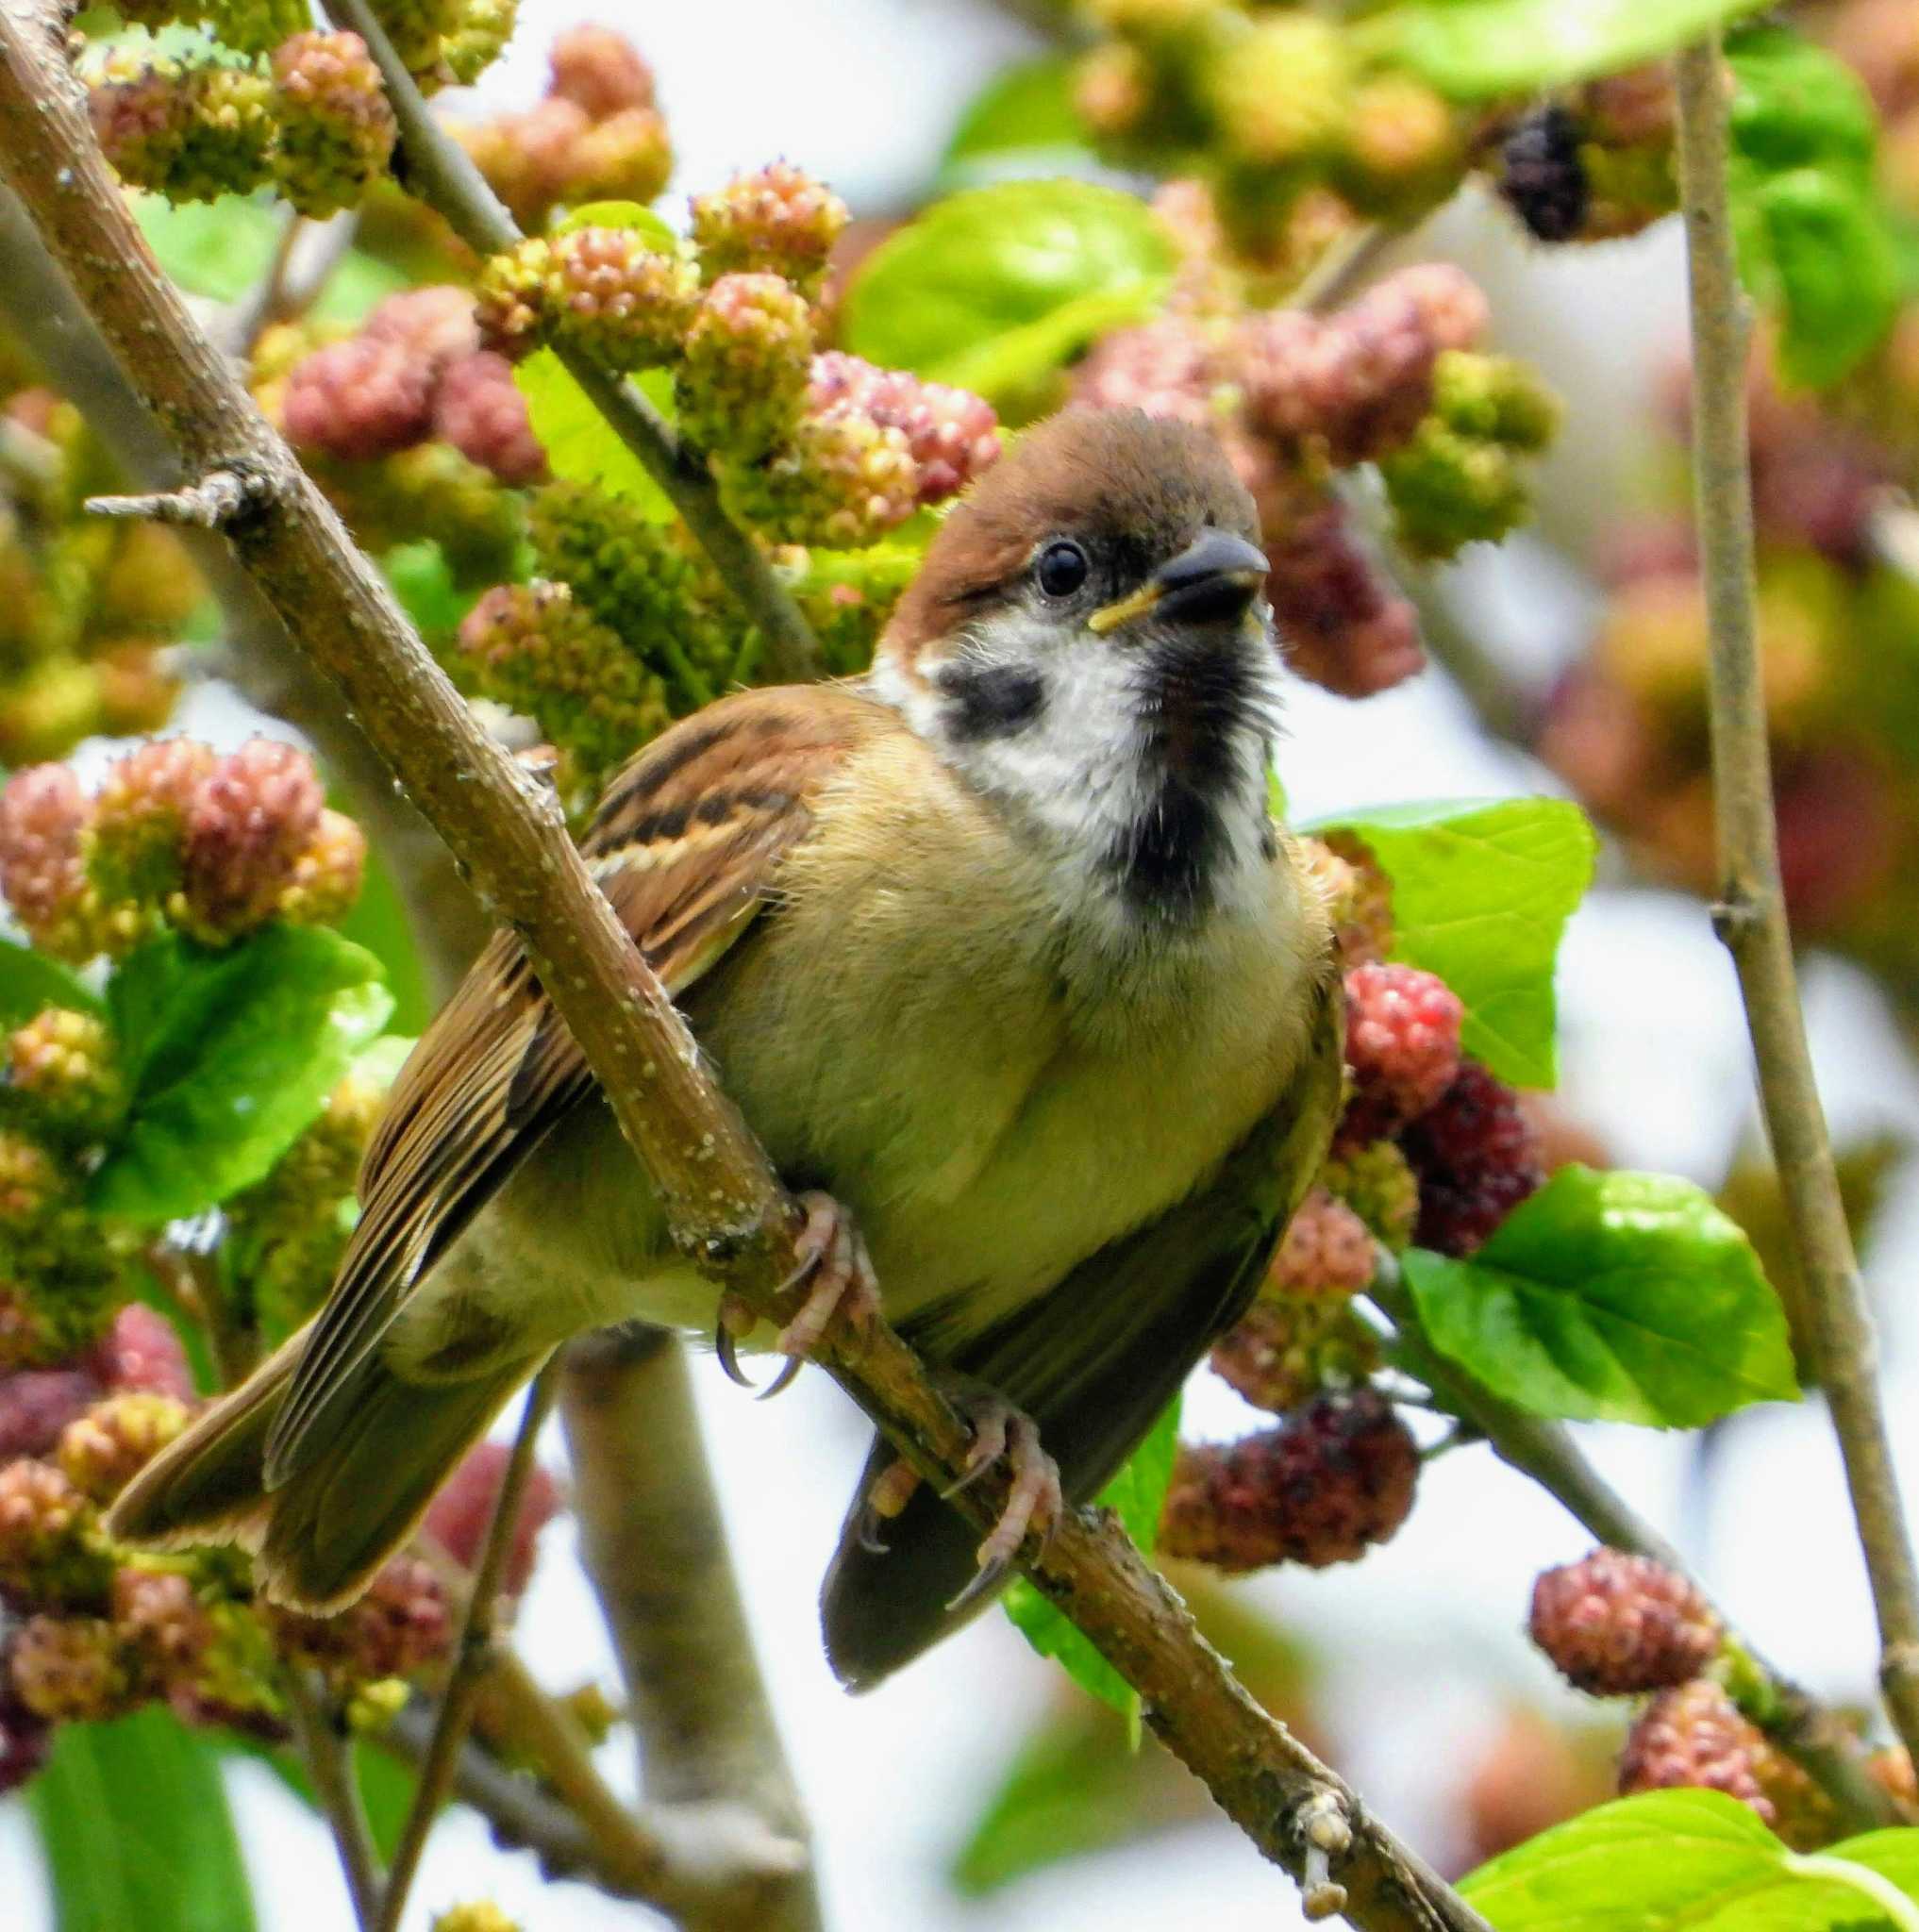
{"x": 1422, "y": 1639}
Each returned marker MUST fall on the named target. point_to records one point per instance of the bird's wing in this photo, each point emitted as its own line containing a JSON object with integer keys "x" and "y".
{"x": 1094, "y": 1362}
{"x": 684, "y": 845}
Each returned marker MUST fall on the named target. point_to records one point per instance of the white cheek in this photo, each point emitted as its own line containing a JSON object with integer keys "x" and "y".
{"x": 1077, "y": 771}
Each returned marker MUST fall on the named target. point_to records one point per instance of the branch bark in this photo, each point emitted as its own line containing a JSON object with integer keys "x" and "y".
{"x": 726, "y": 1207}
{"x": 652, "y": 1543}
{"x": 437, "y": 169}
{"x": 1751, "y": 915}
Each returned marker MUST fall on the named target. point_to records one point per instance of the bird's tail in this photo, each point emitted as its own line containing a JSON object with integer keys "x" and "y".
{"x": 322, "y": 1533}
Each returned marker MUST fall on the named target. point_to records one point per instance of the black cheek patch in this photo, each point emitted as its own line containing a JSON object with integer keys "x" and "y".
{"x": 992, "y": 700}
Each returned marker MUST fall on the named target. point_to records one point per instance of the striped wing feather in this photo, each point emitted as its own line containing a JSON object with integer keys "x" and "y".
{"x": 685, "y": 845}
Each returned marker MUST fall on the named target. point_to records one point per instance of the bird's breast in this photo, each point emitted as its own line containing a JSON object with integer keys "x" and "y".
{"x": 918, "y": 1028}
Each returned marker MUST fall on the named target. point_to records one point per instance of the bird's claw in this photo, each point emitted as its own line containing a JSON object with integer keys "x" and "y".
{"x": 842, "y": 1286}
{"x": 843, "y": 1290}
{"x": 1034, "y": 1502}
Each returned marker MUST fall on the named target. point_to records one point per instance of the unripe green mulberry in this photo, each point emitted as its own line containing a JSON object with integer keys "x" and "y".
{"x": 848, "y": 597}
{"x": 1377, "y": 1183}
{"x": 628, "y": 156}
{"x": 102, "y": 1451}
{"x": 646, "y": 582}
{"x": 287, "y": 1229}
{"x": 30, "y": 1184}
{"x": 1494, "y": 398}
{"x": 1283, "y": 1352}
{"x": 748, "y": 350}
{"x": 190, "y": 133}
{"x": 844, "y": 480}
{"x": 776, "y": 221}
{"x": 335, "y": 128}
{"x": 64, "y": 1064}
{"x": 419, "y": 29}
{"x": 481, "y": 1916}
{"x": 530, "y": 646}
{"x": 1282, "y": 91}
{"x": 1448, "y": 491}
{"x": 485, "y": 28}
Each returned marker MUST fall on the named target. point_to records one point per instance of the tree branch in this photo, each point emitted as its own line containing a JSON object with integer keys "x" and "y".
{"x": 329, "y": 1764}
{"x": 1751, "y": 916}
{"x": 472, "y": 1659}
{"x": 1812, "y": 1735}
{"x": 723, "y": 1202}
{"x": 437, "y": 169}
{"x": 652, "y": 1543}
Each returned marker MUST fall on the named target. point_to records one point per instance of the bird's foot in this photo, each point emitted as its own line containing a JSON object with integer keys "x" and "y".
{"x": 1034, "y": 1502}
{"x": 844, "y": 1290}
{"x": 841, "y": 1291}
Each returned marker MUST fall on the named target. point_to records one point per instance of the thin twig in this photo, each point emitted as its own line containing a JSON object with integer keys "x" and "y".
{"x": 1805, "y": 1729}
{"x": 1751, "y": 917}
{"x": 653, "y": 1545}
{"x": 722, "y": 1199}
{"x": 1340, "y": 272}
{"x": 473, "y": 1659}
{"x": 521, "y": 1814}
{"x": 329, "y": 1764}
{"x": 210, "y": 503}
{"x": 438, "y": 171}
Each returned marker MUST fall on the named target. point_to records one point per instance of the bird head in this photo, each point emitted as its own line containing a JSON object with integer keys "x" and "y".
{"x": 1087, "y": 643}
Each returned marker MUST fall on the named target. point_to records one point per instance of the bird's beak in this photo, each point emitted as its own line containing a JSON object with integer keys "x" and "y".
{"x": 1214, "y": 578}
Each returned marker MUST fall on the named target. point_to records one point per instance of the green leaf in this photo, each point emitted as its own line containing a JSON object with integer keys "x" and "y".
{"x": 1691, "y": 1862}
{"x": 1644, "y": 1862}
{"x": 358, "y": 286}
{"x": 1476, "y": 49}
{"x": 633, "y": 215}
{"x": 420, "y": 577}
{"x": 1481, "y": 893}
{"x": 1817, "y": 244}
{"x": 996, "y": 287}
{"x": 134, "y": 1822}
{"x": 1796, "y": 105}
{"x": 232, "y": 1052}
{"x": 1135, "y": 1494}
{"x": 1829, "y": 269}
{"x": 579, "y": 446}
{"x": 1615, "y": 1297}
{"x": 219, "y": 249}
{"x": 1022, "y": 125}
{"x": 29, "y": 981}
{"x": 378, "y": 923}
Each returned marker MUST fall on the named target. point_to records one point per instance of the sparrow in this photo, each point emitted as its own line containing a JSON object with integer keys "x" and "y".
{"x": 1002, "y": 953}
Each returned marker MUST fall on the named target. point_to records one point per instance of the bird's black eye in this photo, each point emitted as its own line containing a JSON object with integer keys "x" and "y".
{"x": 1061, "y": 569}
